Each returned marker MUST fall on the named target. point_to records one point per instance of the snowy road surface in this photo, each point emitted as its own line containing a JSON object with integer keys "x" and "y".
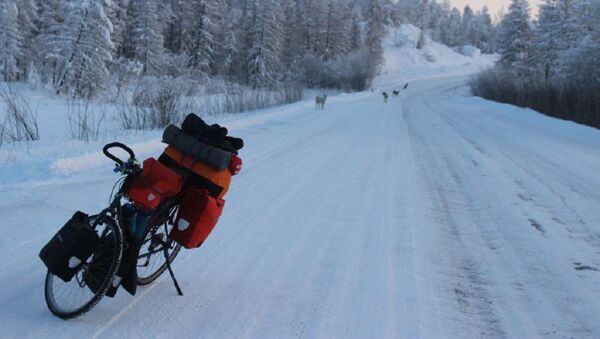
{"x": 434, "y": 215}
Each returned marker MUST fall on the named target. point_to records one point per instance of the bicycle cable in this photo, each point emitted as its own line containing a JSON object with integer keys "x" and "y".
{"x": 113, "y": 188}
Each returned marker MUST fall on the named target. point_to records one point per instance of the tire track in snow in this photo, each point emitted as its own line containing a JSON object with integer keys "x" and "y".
{"x": 534, "y": 264}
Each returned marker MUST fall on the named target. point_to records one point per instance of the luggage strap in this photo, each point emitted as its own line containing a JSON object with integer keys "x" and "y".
{"x": 166, "y": 253}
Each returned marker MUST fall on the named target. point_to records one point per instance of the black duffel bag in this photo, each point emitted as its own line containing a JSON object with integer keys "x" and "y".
{"x": 74, "y": 243}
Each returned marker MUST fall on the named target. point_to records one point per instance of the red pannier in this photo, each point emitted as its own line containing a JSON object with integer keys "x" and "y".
{"x": 198, "y": 215}
{"x": 156, "y": 183}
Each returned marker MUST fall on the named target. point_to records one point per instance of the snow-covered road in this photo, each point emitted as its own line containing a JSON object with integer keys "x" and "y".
{"x": 434, "y": 215}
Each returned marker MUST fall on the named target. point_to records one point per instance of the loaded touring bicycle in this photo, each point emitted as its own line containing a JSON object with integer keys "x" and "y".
{"x": 159, "y": 206}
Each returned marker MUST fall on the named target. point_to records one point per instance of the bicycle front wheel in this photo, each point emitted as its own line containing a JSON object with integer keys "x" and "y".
{"x": 71, "y": 299}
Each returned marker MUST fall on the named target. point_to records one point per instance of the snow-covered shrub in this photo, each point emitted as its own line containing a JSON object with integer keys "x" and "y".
{"x": 238, "y": 99}
{"x": 20, "y": 122}
{"x": 429, "y": 56}
{"x": 155, "y": 103}
{"x": 85, "y": 119}
{"x": 123, "y": 72}
{"x": 350, "y": 72}
{"x": 2, "y": 132}
{"x": 574, "y": 100}
{"x": 469, "y": 51}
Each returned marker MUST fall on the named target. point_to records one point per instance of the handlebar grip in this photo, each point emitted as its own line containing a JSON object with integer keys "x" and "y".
{"x": 113, "y": 157}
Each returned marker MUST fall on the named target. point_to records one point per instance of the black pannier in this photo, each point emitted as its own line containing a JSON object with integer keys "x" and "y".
{"x": 74, "y": 243}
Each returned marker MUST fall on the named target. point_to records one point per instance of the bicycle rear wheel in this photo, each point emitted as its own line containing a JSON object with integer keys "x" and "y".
{"x": 71, "y": 299}
{"x": 151, "y": 259}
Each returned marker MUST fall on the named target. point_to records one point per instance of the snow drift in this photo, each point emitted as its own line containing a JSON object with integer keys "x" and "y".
{"x": 406, "y": 58}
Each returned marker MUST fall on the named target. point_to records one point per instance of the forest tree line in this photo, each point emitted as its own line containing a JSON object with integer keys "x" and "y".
{"x": 552, "y": 64}
{"x": 81, "y": 47}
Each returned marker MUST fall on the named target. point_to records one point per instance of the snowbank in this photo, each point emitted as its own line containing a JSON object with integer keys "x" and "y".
{"x": 469, "y": 51}
{"x": 405, "y": 62}
{"x": 402, "y": 55}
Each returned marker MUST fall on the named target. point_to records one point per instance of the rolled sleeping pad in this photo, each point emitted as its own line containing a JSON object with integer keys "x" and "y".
{"x": 199, "y": 151}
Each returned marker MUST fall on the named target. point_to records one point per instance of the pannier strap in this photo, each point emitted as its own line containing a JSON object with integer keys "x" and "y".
{"x": 191, "y": 178}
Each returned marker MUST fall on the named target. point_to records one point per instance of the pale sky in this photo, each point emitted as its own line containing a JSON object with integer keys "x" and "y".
{"x": 493, "y": 5}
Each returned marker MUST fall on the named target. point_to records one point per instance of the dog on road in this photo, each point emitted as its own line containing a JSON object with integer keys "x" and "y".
{"x": 320, "y": 101}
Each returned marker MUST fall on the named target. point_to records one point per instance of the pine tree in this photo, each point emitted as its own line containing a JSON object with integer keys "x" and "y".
{"x": 335, "y": 35}
{"x": 202, "y": 27}
{"x": 146, "y": 36}
{"x": 485, "y": 30}
{"x": 116, "y": 11}
{"x": 291, "y": 51}
{"x": 356, "y": 40}
{"x": 581, "y": 60}
{"x": 374, "y": 31}
{"x": 439, "y": 14}
{"x": 516, "y": 40}
{"x": 174, "y": 30}
{"x": 468, "y": 23}
{"x": 51, "y": 17}
{"x": 265, "y": 64}
{"x": 86, "y": 48}
{"x": 546, "y": 38}
{"x": 454, "y": 30}
{"x": 26, "y": 21}
{"x": 312, "y": 25}
{"x": 10, "y": 41}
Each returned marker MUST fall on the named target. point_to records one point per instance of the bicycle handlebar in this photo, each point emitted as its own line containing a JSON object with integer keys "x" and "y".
{"x": 118, "y": 145}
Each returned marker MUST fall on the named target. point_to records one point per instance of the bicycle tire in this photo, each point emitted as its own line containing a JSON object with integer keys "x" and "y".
{"x": 155, "y": 270}
{"x": 51, "y": 293}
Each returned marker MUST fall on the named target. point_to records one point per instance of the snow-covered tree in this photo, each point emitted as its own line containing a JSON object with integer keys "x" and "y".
{"x": 231, "y": 45}
{"x": 291, "y": 50}
{"x": 469, "y": 28}
{"x": 116, "y": 11}
{"x": 439, "y": 14}
{"x": 201, "y": 34}
{"x": 86, "y": 48}
{"x": 356, "y": 35}
{"x": 516, "y": 39}
{"x": 264, "y": 64}
{"x": 27, "y": 18}
{"x": 336, "y": 30}
{"x": 146, "y": 35}
{"x": 546, "y": 40}
{"x": 11, "y": 41}
{"x": 51, "y": 17}
{"x": 581, "y": 59}
{"x": 485, "y": 31}
{"x": 174, "y": 30}
{"x": 453, "y": 29}
{"x": 374, "y": 31}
